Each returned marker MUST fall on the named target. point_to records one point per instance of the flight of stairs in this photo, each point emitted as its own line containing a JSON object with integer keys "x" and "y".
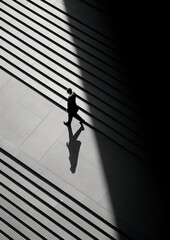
{"x": 50, "y": 47}
{"x": 34, "y": 206}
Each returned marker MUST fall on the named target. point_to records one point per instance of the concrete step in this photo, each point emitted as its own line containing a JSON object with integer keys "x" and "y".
{"x": 41, "y": 195}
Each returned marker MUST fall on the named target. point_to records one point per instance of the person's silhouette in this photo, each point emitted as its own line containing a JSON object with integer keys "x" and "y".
{"x": 74, "y": 147}
{"x": 72, "y": 108}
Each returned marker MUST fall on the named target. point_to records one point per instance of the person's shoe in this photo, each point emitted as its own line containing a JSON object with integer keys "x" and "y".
{"x": 66, "y": 123}
{"x": 82, "y": 127}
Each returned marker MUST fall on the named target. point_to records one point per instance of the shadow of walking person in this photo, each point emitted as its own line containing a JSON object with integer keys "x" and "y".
{"x": 74, "y": 147}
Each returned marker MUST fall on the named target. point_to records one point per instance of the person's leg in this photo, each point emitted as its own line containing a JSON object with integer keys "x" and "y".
{"x": 70, "y": 117}
{"x": 77, "y": 116}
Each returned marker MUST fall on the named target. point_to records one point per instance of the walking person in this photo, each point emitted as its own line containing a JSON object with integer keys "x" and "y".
{"x": 72, "y": 108}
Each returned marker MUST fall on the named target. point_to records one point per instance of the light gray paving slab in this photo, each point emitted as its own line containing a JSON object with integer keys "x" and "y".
{"x": 36, "y": 104}
{"x": 10, "y": 93}
{"x": 56, "y": 159}
{"x": 45, "y": 135}
{"x": 17, "y": 124}
{"x": 89, "y": 186}
{"x": 106, "y": 202}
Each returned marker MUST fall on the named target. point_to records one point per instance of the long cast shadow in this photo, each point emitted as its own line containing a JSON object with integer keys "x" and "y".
{"x": 74, "y": 147}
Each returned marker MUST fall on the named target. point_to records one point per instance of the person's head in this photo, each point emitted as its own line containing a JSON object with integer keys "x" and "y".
{"x": 69, "y": 91}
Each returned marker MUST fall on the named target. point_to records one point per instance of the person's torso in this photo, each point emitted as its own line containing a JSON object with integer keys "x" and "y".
{"x": 72, "y": 103}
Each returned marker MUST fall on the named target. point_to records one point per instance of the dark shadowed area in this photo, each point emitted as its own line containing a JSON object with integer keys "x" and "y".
{"x": 137, "y": 189}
